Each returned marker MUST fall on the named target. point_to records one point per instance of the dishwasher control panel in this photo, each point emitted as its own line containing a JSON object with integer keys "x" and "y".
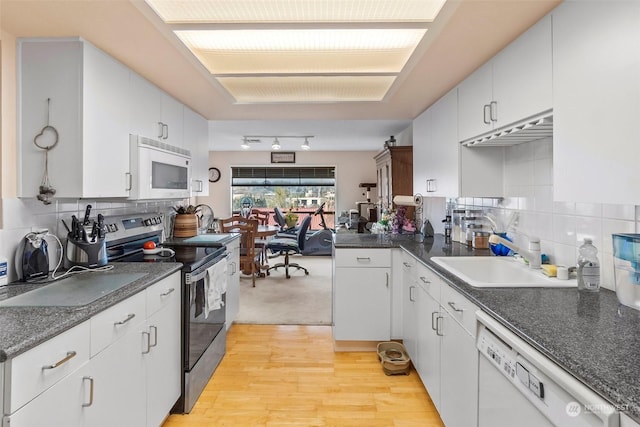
{"x": 497, "y": 352}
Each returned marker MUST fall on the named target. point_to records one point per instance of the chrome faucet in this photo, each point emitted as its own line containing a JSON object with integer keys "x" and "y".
{"x": 533, "y": 255}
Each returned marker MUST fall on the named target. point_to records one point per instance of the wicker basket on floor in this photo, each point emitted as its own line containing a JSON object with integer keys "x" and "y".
{"x": 394, "y": 358}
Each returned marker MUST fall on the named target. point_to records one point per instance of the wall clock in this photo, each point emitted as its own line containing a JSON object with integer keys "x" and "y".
{"x": 214, "y": 174}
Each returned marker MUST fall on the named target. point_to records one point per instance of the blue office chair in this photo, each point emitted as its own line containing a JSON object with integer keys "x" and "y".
{"x": 288, "y": 246}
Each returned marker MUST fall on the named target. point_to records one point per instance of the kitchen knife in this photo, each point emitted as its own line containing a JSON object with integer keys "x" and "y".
{"x": 86, "y": 215}
{"x": 66, "y": 226}
{"x": 94, "y": 232}
{"x": 100, "y": 226}
{"x": 74, "y": 227}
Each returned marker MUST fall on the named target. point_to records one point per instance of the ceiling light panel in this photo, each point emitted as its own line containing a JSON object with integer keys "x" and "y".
{"x": 307, "y": 89}
{"x": 302, "y": 51}
{"x": 248, "y": 11}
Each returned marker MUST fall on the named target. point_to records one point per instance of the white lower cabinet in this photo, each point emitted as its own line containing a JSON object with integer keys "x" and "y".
{"x": 233, "y": 282}
{"x": 439, "y": 333}
{"x": 410, "y": 306}
{"x": 362, "y": 295}
{"x": 131, "y": 379}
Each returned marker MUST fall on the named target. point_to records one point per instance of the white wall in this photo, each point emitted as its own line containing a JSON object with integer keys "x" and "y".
{"x": 561, "y": 226}
{"x": 352, "y": 168}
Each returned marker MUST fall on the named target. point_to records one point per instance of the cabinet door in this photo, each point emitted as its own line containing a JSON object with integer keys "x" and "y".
{"x": 105, "y": 141}
{"x": 442, "y": 158}
{"x": 362, "y": 304}
{"x": 233, "y": 283}
{"x": 196, "y": 139}
{"x": 474, "y": 97}
{"x": 146, "y": 107}
{"x": 60, "y": 405}
{"x": 428, "y": 363}
{"x": 522, "y": 82}
{"x": 118, "y": 384}
{"x": 459, "y": 370}
{"x": 596, "y": 107}
{"x": 172, "y": 118}
{"x": 409, "y": 307}
{"x": 162, "y": 359}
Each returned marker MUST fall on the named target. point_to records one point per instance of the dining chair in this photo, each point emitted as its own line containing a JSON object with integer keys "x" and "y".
{"x": 263, "y": 219}
{"x": 250, "y": 255}
{"x": 288, "y": 246}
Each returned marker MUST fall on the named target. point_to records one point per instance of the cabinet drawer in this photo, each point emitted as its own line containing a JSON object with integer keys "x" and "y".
{"x": 35, "y": 370}
{"x": 363, "y": 257}
{"x": 162, "y": 293}
{"x": 460, "y": 308}
{"x": 429, "y": 281}
{"x": 116, "y": 321}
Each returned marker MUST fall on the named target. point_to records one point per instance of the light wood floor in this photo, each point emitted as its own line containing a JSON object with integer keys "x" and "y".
{"x": 275, "y": 375}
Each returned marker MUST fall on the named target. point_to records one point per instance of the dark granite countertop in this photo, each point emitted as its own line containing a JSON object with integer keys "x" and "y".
{"x": 203, "y": 240}
{"x": 591, "y": 336}
{"x": 26, "y": 327}
{"x": 368, "y": 240}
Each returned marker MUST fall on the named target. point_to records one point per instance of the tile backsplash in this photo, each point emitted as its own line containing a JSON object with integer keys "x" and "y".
{"x": 561, "y": 226}
{"x": 22, "y": 216}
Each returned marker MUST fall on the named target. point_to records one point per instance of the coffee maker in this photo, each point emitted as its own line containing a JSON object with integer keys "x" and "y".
{"x": 32, "y": 257}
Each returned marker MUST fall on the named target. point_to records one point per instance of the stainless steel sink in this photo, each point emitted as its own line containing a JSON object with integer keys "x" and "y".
{"x": 73, "y": 291}
{"x": 499, "y": 272}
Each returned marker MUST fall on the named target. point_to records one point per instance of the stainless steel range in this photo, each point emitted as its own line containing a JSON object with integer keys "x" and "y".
{"x": 203, "y": 295}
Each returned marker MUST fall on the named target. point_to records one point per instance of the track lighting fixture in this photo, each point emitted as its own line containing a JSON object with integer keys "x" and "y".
{"x": 247, "y": 140}
{"x": 276, "y": 144}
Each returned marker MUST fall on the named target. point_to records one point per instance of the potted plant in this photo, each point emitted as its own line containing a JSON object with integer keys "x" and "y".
{"x": 185, "y": 223}
{"x": 291, "y": 219}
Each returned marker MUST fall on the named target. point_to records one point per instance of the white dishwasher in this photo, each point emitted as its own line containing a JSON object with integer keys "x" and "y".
{"x": 519, "y": 386}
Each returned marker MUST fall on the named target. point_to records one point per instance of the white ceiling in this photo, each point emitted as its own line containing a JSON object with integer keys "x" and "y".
{"x": 466, "y": 34}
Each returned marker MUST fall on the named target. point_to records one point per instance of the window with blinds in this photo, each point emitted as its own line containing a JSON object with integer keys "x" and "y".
{"x": 282, "y": 176}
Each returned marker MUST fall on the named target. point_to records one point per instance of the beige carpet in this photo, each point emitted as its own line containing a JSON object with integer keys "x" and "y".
{"x": 300, "y": 300}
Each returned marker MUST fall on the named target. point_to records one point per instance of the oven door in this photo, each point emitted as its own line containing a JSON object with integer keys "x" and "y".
{"x": 205, "y": 316}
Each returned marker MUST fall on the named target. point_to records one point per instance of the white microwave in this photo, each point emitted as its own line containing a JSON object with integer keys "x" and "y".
{"x": 158, "y": 170}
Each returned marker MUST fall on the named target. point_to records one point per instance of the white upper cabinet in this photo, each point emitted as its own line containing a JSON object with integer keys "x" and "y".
{"x": 446, "y": 168}
{"x": 522, "y": 76}
{"x": 196, "y": 139}
{"x": 155, "y": 114}
{"x": 514, "y": 85}
{"x": 475, "y": 94}
{"x": 596, "y": 72}
{"x": 88, "y": 93}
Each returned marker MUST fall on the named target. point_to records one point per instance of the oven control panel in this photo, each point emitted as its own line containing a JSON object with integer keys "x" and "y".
{"x": 124, "y": 226}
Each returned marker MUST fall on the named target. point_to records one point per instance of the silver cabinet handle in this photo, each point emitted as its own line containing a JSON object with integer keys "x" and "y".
{"x": 155, "y": 336}
{"x": 424, "y": 280}
{"x": 411, "y": 293}
{"x": 433, "y": 322}
{"x": 91, "y": 382}
{"x": 160, "y": 130}
{"x": 148, "y": 335}
{"x": 70, "y": 355}
{"x": 439, "y": 326}
{"x": 486, "y": 108}
{"x": 387, "y": 284}
{"x": 453, "y": 306}
{"x": 165, "y": 127}
{"x": 493, "y": 111}
{"x": 122, "y": 322}
{"x": 170, "y": 290}
{"x": 406, "y": 264}
{"x": 363, "y": 258}
{"x": 129, "y": 178}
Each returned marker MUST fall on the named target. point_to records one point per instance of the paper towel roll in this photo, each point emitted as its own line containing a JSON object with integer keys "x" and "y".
{"x": 404, "y": 201}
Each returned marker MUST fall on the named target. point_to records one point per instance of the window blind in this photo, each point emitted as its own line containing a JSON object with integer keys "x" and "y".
{"x": 282, "y": 176}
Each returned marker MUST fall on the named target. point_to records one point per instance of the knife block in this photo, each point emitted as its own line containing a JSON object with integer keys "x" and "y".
{"x": 85, "y": 254}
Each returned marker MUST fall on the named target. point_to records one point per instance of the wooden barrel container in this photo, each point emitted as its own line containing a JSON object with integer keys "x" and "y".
{"x": 185, "y": 225}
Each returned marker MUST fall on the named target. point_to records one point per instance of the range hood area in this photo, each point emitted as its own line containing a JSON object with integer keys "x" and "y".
{"x": 528, "y": 130}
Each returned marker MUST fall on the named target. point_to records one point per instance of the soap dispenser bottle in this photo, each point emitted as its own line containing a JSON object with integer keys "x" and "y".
{"x": 588, "y": 268}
